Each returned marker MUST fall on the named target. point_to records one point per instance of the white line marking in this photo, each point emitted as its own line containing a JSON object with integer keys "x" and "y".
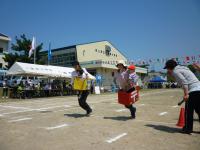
{"x": 1, "y": 115}
{"x": 162, "y": 113}
{"x": 15, "y": 112}
{"x": 56, "y": 127}
{"x": 175, "y": 106}
{"x": 14, "y": 107}
{"x": 116, "y": 138}
{"x": 121, "y": 110}
{"x": 39, "y": 109}
{"x": 22, "y": 119}
{"x": 141, "y": 104}
{"x": 45, "y": 108}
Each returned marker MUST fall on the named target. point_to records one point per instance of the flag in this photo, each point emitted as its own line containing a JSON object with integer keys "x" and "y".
{"x": 187, "y": 58}
{"x": 193, "y": 58}
{"x": 33, "y": 47}
{"x": 49, "y": 52}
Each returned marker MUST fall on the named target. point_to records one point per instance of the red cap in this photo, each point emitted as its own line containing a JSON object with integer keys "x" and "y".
{"x": 131, "y": 67}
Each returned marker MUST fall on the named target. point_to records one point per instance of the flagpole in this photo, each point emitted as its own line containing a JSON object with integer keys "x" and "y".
{"x": 35, "y": 52}
{"x": 49, "y": 53}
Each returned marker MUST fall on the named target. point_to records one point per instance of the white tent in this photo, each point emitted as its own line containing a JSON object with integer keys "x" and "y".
{"x": 26, "y": 69}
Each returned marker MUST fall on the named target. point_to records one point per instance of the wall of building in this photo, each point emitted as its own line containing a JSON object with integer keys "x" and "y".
{"x": 3, "y": 45}
{"x": 97, "y": 51}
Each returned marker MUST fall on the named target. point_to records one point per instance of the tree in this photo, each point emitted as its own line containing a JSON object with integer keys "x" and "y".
{"x": 20, "y": 52}
{"x": 170, "y": 78}
{"x": 192, "y": 68}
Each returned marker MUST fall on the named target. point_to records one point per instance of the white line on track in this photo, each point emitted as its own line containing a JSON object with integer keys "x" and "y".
{"x": 56, "y": 127}
{"x": 22, "y": 119}
{"x": 163, "y": 113}
{"x": 116, "y": 138}
{"x": 140, "y": 104}
{"x": 38, "y": 109}
{"x": 14, "y": 107}
{"x": 175, "y": 106}
{"x": 15, "y": 112}
{"x": 45, "y": 108}
{"x": 121, "y": 110}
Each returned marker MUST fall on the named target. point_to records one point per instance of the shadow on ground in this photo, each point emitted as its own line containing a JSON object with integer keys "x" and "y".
{"x": 164, "y": 128}
{"x": 75, "y": 115}
{"x": 119, "y": 118}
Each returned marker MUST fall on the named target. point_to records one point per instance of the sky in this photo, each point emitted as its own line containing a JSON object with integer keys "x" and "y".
{"x": 141, "y": 29}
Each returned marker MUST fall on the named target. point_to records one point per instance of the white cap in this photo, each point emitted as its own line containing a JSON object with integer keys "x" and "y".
{"x": 121, "y": 62}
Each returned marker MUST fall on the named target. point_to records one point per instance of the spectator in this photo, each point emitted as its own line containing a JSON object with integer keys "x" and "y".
{"x": 5, "y": 89}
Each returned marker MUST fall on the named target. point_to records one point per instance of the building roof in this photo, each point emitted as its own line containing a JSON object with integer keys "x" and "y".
{"x": 74, "y": 46}
{"x": 4, "y": 37}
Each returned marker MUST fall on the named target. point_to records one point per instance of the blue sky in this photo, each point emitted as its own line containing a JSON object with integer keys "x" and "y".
{"x": 141, "y": 29}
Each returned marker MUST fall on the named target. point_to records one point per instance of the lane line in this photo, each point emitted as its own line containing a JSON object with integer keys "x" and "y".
{"x": 140, "y": 104}
{"x": 56, "y": 127}
{"x": 116, "y": 138}
{"x": 39, "y": 109}
{"x": 18, "y": 120}
{"x": 121, "y": 110}
{"x": 175, "y": 106}
{"x": 163, "y": 113}
{"x": 14, "y": 107}
{"x": 45, "y": 108}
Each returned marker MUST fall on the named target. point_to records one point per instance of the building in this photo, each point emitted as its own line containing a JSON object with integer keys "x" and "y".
{"x": 4, "y": 43}
{"x": 99, "y": 58}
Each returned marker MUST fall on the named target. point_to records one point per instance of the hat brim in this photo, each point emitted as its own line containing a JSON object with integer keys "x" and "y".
{"x": 119, "y": 64}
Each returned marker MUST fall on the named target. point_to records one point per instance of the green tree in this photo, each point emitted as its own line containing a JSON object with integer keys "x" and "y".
{"x": 20, "y": 52}
{"x": 170, "y": 78}
{"x": 192, "y": 68}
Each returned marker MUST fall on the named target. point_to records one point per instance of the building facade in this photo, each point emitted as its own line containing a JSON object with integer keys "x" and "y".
{"x": 100, "y": 59}
{"x": 4, "y": 43}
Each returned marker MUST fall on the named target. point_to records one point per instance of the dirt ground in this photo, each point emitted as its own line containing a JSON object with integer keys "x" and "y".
{"x": 58, "y": 123}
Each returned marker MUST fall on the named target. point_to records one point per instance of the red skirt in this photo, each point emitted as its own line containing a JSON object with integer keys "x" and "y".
{"x": 128, "y": 98}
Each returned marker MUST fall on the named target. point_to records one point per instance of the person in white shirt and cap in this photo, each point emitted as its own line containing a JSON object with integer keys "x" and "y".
{"x": 191, "y": 88}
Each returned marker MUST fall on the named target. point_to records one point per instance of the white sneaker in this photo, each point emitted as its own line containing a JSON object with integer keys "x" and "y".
{"x": 6, "y": 97}
{"x": 2, "y": 97}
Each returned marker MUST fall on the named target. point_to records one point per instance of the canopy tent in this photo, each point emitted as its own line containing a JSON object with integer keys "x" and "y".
{"x": 26, "y": 69}
{"x": 157, "y": 79}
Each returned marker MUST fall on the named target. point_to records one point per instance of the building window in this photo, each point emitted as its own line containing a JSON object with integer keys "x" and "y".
{"x": 1, "y": 50}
